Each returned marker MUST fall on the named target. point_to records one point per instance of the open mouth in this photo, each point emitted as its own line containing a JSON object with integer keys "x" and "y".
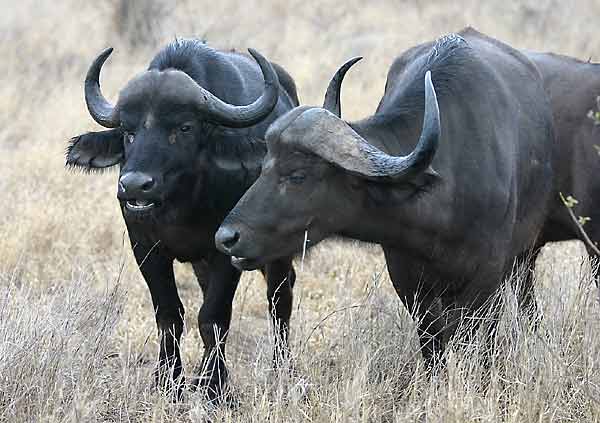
{"x": 140, "y": 205}
{"x": 243, "y": 263}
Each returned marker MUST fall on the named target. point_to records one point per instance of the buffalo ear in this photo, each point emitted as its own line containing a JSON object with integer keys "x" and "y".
{"x": 388, "y": 193}
{"x": 95, "y": 150}
{"x": 427, "y": 177}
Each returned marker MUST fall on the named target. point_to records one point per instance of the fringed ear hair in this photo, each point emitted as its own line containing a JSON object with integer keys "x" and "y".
{"x": 95, "y": 151}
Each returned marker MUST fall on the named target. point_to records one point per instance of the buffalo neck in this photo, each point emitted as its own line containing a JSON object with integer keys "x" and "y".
{"x": 235, "y": 163}
{"x": 401, "y": 214}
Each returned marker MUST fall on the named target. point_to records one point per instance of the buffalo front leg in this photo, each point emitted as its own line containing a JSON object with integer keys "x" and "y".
{"x": 430, "y": 325}
{"x": 413, "y": 286}
{"x": 219, "y": 281}
{"x": 157, "y": 270}
{"x": 280, "y": 277}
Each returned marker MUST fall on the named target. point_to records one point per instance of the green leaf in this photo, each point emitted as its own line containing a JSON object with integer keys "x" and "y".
{"x": 583, "y": 220}
{"x": 570, "y": 201}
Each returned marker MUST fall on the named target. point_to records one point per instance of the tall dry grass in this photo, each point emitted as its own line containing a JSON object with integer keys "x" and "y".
{"x": 65, "y": 358}
{"x": 77, "y": 336}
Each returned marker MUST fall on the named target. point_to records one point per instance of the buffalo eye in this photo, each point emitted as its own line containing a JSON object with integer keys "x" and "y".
{"x": 185, "y": 128}
{"x": 129, "y": 137}
{"x": 297, "y": 178}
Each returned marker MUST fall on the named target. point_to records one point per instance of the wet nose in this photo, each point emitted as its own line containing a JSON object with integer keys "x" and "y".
{"x": 226, "y": 238}
{"x": 132, "y": 184}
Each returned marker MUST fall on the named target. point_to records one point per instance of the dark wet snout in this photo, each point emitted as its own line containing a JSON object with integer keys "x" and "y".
{"x": 226, "y": 239}
{"x": 137, "y": 185}
{"x": 234, "y": 241}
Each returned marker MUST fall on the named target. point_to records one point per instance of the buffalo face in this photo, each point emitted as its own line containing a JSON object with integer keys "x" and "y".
{"x": 162, "y": 125}
{"x": 297, "y": 201}
{"x": 160, "y": 145}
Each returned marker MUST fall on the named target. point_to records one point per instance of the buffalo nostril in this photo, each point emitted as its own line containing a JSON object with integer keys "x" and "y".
{"x": 136, "y": 183}
{"x": 227, "y": 237}
{"x": 148, "y": 185}
{"x": 230, "y": 242}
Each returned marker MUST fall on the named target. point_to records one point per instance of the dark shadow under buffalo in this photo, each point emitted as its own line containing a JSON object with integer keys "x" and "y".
{"x": 456, "y": 175}
{"x": 187, "y": 151}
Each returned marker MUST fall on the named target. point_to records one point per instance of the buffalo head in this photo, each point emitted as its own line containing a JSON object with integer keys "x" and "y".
{"x": 315, "y": 178}
{"x": 159, "y": 129}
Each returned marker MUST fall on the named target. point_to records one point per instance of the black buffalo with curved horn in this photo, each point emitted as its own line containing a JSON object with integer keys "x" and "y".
{"x": 452, "y": 176}
{"x": 187, "y": 151}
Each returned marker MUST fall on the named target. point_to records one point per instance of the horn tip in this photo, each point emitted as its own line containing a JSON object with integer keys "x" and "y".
{"x": 429, "y": 88}
{"x": 269, "y": 73}
{"x": 106, "y": 52}
{"x": 254, "y": 53}
{"x": 346, "y": 66}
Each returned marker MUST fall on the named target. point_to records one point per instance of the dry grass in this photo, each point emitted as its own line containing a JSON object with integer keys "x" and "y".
{"x": 77, "y": 336}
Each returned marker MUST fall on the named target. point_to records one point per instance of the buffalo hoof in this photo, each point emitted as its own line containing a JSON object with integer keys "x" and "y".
{"x": 281, "y": 357}
{"x": 212, "y": 379}
{"x": 172, "y": 387}
{"x": 213, "y": 387}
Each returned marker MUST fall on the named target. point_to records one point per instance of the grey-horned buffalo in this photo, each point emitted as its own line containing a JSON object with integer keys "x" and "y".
{"x": 452, "y": 175}
{"x": 188, "y": 137}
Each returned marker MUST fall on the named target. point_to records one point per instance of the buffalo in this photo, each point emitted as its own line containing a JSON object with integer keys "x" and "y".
{"x": 453, "y": 176}
{"x": 573, "y": 86}
{"x": 188, "y": 137}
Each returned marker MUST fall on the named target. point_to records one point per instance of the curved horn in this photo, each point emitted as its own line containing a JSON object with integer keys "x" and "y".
{"x": 100, "y": 109}
{"x": 244, "y": 116}
{"x": 422, "y": 156}
{"x": 324, "y": 134}
{"x": 332, "y": 100}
